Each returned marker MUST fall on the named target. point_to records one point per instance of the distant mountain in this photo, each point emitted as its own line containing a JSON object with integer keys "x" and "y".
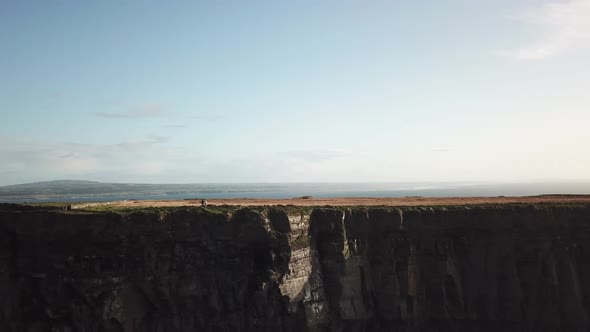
{"x": 93, "y": 189}
{"x": 79, "y": 190}
{"x": 61, "y": 187}
{"x": 52, "y": 185}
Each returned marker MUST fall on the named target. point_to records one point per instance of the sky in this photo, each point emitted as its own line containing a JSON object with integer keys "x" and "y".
{"x": 294, "y": 91}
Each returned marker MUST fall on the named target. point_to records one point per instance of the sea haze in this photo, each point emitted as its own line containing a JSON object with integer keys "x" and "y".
{"x": 72, "y": 191}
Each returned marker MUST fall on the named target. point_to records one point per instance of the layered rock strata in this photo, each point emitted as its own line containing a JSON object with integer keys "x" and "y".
{"x": 470, "y": 268}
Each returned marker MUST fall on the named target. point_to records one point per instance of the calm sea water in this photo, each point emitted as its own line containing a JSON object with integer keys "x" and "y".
{"x": 319, "y": 190}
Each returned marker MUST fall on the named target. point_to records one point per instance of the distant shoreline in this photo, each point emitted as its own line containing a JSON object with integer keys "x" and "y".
{"x": 358, "y": 201}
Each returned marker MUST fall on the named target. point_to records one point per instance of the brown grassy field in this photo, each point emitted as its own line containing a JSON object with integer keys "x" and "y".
{"x": 362, "y": 201}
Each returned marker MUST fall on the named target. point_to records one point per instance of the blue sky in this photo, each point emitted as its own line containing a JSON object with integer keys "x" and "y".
{"x": 285, "y": 91}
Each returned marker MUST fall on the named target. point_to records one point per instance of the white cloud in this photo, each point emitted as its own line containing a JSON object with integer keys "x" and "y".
{"x": 564, "y": 27}
{"x": 32, "y": 160}
{"x": 143, "y": 144}
{"x": 150, "y": 167}
{"x": 77, "y": 164}
{"x": 154, "y": 110}
{"x": 149, "y": 110}
{"x": 312, "y": 156}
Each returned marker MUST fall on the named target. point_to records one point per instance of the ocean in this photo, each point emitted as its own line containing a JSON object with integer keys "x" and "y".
{"x": 115, "y": 192}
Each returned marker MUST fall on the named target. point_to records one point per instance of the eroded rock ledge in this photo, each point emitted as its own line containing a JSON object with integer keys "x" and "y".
{"x": 478, "y": 268}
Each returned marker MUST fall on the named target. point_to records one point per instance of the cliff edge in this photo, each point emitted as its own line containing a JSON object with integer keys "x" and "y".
{"x": 511, "y": 267}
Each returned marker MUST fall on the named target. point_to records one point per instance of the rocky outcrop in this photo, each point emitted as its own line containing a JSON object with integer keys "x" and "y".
{"x": 478, "y": 268}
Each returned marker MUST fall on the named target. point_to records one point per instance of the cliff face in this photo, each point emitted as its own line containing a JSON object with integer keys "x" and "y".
{"x": 508, "y": 268}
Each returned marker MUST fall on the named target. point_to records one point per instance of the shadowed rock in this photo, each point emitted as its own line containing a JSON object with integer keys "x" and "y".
{"x": 489, "y": 268}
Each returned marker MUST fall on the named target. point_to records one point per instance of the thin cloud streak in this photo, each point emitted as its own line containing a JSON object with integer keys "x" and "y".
{"x": 564, "y": 26}
{"x": 151, "y": 111}
{"x": 141, "y": 112}
{"x": 174, "y": 126}
{"x": 139, "y": 145}
{"x": 53, "y": 159}
{"x": 441, "y": 150}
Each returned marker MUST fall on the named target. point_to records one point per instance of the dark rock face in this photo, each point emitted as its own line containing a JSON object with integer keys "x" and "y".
{"x": 504, "y": 268}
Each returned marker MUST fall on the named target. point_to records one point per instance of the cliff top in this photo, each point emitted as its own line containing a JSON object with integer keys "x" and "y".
{"x": 227, "y": 205}
{"x": 362, "y": 201}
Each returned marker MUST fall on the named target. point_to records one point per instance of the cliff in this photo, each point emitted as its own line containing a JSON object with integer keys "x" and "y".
{"x": 464, "y": 268}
